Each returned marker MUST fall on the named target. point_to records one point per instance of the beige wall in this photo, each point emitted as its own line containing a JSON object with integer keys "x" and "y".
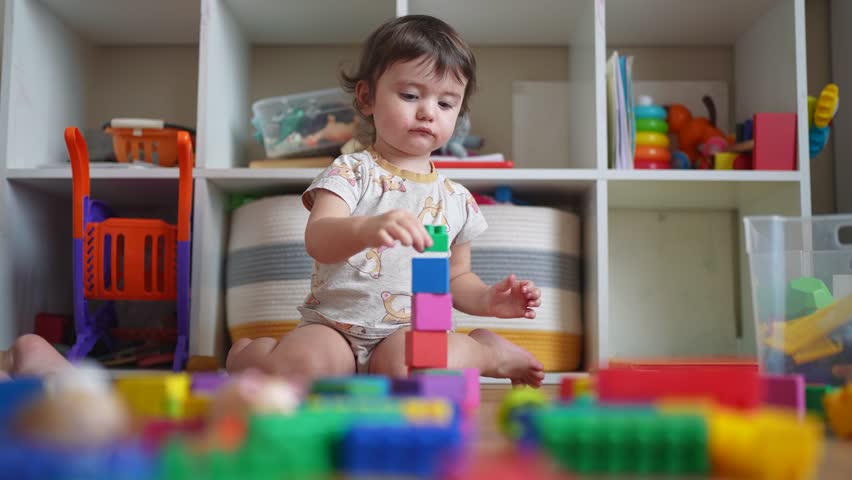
{"x": 819, "y": 74}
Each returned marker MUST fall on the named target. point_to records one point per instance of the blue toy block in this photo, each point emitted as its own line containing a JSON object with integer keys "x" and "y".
{"x": 14, "y": 394}
{"x": 354, "y": 386}
{"x": 25, "y": 461}
{"x": 430, "y": 275}
{"x": 404, "y": 450}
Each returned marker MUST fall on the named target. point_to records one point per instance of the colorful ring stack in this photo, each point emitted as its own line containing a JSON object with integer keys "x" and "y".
{"x": 652, "y": 143}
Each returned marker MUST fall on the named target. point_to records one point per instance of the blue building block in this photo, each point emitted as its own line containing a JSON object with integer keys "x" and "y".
{"x": 14, "y": 394}
{"x": 25, "y": 461}
{"x": 402, "y": 450}
{"x": 430, "y": 275}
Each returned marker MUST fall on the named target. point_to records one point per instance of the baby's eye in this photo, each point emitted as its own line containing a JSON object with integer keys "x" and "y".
{"x": 446, "y": 105}
{"x": 408, "y": 96}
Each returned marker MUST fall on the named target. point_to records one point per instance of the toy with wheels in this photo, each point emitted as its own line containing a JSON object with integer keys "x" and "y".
{"x": 127, "y": 258}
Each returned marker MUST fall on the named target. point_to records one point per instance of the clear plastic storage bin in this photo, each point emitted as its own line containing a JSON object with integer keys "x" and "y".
{"x": 305, "y": 124}
{"x": 801, "y": 280}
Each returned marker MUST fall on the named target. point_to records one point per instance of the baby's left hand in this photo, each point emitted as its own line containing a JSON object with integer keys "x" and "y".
{"x": 513, "y": 298}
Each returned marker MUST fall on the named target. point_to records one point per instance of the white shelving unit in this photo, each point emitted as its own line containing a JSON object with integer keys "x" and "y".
{"x": 664, "y": 268}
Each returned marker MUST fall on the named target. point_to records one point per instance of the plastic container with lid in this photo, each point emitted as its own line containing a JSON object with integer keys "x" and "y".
{"x": 306, "y": 124}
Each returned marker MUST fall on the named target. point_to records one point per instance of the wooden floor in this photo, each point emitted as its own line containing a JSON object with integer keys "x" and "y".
{"x": 836, "y": 465}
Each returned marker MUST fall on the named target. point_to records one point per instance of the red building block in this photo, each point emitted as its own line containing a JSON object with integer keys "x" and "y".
{"x": 736, "y": 387}
{"x": 426, "y": 349}
{"x": 52, "y": 327}
{"x": 774, "y": 141}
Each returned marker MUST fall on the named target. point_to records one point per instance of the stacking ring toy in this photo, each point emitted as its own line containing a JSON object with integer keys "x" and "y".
{"x": 651, "y": 125}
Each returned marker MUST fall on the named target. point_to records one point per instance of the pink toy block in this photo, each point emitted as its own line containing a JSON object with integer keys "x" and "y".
{"x": 432, "y": 312}
{"x": 774, "y": 141}
{"x": 451, "y": 387}
{"x": 784, "y": 391}
{"x": 426, "y": 349}
{"x": 471, "y": 391}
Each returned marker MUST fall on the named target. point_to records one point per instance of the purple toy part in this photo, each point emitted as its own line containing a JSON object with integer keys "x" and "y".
{"x": 182, "y": 348}
{"x": 405, "y": 386}
{"x": 208, "y": 382}
{"x": 432, "y": 312}
{"x": 784, "y": 391}
{"x": 451, "y": 387}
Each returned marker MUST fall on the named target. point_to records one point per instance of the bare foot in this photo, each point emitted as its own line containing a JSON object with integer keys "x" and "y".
{"x": 513, "y": 362}
{"x": 31, "y": 355}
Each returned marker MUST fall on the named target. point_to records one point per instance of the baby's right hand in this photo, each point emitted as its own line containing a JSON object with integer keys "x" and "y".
{"x": 402, "y": 225}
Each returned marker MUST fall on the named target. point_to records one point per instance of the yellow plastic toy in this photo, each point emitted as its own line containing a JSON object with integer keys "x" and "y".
{"x": 826, "y": 105}
{"x": 806, "y": 338}
{"x": 838, "y": 410}
{"x": 766, "y": 445}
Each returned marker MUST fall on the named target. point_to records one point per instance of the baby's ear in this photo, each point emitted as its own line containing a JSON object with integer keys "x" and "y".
{"x": 364, "y": 98}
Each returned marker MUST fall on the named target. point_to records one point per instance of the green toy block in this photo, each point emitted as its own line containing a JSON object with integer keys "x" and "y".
{"x": 805, "y": 296}
{"x": 237, "y": 200}
{"x": 440, "y": 239}
{"x": 813, "y": 398}
{"x": 284, "y": 446}
{"x": 437, "y": 371}
{"x": 591, "y": 440}
{"x": 354, "y": 386}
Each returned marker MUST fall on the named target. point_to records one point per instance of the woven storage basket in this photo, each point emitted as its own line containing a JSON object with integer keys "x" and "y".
{"x": 269, "y": 271}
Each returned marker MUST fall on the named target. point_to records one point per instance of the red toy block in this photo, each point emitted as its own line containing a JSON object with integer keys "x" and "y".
{"x": 774, "y": 141}
{"x": 52, "y": 327}
{"x": 426, "y": 349}
{"x": 432, "y": 312}
{"x": 733, "y": 387}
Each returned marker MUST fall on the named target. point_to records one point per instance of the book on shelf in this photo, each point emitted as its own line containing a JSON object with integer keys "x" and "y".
{"x": 620, "y": 118}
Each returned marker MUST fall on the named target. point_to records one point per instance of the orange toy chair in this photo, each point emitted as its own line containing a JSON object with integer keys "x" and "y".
{"x": 127, "y": 258}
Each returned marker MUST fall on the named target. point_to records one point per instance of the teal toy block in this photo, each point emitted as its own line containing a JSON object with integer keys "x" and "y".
{"x": 430, "y": 275}
{"x": 440, "y": 239}
{"x": 591, "y": 440}
{"x": 806, "y": 295}
{"x": 353, "y": 386}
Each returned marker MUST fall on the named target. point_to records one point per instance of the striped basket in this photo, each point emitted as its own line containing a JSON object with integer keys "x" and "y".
{"x": 269, "y": 271}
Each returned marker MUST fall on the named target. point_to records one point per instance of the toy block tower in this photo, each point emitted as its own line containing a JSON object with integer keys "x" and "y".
{"x": 431, "y": 306}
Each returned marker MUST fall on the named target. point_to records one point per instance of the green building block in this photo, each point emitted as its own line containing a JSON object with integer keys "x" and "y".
{"x": 440, "y": 239}
{"x": 805, "y": 296}
{"x": 354, "y": 386}
{"x": 813, "y": 398}
{"x": 237, "y": 200}
{"x": 590, "y": 440}
{"x": 437, "y": 371}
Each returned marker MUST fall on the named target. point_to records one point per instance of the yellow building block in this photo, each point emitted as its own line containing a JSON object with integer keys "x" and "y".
{"x": 161, "y": 396}
{"x": 838, "y": 410}
{"x": 427, "y": 411}
{"x": 766, "y": 445}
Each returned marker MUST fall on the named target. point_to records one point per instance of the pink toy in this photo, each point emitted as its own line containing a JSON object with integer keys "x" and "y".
{"x": 784, "y": 391}
{"x": 432, "y": 312}
{"x": 774, "y": 141}
{"x": 426, "y": 349}
{"x": 471, "y": 395}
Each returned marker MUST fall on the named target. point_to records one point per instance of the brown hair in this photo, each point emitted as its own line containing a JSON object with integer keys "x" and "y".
{"x": 406, "y": 38}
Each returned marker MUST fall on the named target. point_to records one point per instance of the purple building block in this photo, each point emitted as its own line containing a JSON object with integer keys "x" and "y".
{"x": 405, "y": 387}
{"x": 432, "y": 312}
{"x": 208, "y": 382}
{"x": 784, "y": 391}
{"x": 451, "y": 387}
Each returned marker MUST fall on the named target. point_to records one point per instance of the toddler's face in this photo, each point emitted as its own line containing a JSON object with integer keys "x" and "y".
{"x": 414, "y": 110}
